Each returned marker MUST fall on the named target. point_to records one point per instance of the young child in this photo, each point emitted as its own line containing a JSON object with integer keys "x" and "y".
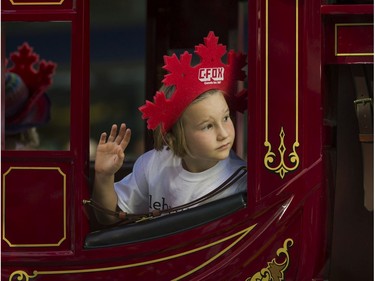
{"x": 193, "y": 138}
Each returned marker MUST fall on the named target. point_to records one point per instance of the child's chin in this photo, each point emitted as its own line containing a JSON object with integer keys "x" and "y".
{"x": 223, "y": 155}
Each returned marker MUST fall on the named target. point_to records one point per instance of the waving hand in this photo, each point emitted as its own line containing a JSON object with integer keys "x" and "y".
{"x": 110, "y": 153}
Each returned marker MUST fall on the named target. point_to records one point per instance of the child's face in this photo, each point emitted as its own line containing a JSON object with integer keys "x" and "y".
{"x": 209, "y": 131}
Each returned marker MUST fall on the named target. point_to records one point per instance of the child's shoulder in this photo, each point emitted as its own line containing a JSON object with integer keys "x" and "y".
{"x": 234, "y": 158}
{"x": 157, "y": 155}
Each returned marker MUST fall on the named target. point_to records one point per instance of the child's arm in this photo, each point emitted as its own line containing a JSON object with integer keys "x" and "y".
{"x": 109, "y": 158}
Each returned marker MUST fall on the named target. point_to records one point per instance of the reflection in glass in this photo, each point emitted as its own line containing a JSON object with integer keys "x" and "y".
{"x": 37, "y": 93}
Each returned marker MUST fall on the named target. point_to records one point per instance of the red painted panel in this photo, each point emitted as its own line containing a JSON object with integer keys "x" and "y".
{"x": 36, "y": 4}
{"x": 34, "y": 204}
{"x": 280, "y": 95}
{"x": 348, "y": 39}
{"x": 355, "y": 39}
{"x": 42, "y": 217}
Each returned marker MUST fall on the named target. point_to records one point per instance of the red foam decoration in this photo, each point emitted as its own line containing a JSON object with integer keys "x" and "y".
{"x": 191, "y": 81}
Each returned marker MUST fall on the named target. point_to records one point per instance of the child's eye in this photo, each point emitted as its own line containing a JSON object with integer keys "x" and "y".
{"x": 207, "y": 127}
{"x": 226, "y": 118}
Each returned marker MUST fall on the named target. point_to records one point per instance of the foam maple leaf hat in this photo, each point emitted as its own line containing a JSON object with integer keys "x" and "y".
{"x": 26, "y": 102}
{"x": 191, "y": 81}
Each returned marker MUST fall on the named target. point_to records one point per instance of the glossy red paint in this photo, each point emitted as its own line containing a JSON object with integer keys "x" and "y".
{"x": 285, "y": 223}
{"x": 35, "y": 5}
{"x": 41, "y": 190}
{"x": 349, "y": 34}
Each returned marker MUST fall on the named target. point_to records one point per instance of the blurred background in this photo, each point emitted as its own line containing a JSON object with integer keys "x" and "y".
{"x": 117, "y": 69}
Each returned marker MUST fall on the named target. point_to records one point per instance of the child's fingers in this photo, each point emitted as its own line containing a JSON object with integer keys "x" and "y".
{"x": 103, "y": 138}
{"x": 122, "y": 139}
{"x": 113, "y": 133}
{"x": 121, "y": 133}
{"x": 126, "y": 139}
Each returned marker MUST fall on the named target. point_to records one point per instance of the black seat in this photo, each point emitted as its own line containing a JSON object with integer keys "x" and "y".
{"x": 165, "y": 225}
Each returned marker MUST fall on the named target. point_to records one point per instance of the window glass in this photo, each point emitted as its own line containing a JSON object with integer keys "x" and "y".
{"x": 51, "y": 42}
{"x": 117, "y": 53}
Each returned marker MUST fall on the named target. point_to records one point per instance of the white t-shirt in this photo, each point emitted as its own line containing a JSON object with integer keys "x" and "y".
{"x": 159, "y": 181}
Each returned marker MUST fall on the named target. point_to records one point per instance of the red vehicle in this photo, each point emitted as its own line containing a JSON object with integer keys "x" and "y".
{"x": 300, "y": 215}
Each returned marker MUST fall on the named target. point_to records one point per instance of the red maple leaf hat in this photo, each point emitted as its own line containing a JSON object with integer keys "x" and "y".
{"x": 191, "y": 81}
{"x": 26, "y": 102}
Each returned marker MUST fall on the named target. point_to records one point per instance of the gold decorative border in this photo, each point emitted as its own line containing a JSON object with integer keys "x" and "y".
{"x": 237, "y": 237}
{"x": 282, "y": 168}
{"x": 274, "y": 270}
{"x": 64, "y": 206}
{"x": 14, "y": 3}
{"x": 337, "y": 54}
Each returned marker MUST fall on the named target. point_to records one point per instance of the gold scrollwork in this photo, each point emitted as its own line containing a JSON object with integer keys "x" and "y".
{"x": 282, "y": 168}
{"x": 274, "y": 270}
{"x": 20, "y": 275}
{"x": 270, "y": 157}
{"x": 234, "y": 239}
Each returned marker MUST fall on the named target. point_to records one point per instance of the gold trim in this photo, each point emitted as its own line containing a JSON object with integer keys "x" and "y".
{"x": 282, "y": 168}
{"x": 274, "y": 270}
{"x": 64, "y": 207}
{"x": 337, "y": 54}
{"x": 23, "y": 276}
{"x": 35, "y": 3}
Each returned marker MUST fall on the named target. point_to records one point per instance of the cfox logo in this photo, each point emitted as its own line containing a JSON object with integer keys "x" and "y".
{"x": 211, "y": 75}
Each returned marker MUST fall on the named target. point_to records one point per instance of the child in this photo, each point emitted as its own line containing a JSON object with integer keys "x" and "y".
{"x": 193, "y": 137}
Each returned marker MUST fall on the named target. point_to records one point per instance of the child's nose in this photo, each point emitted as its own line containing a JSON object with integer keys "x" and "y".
{"x": 222, "y": 132}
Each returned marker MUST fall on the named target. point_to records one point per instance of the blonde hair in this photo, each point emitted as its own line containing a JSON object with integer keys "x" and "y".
{"x": 175, "y": 138}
